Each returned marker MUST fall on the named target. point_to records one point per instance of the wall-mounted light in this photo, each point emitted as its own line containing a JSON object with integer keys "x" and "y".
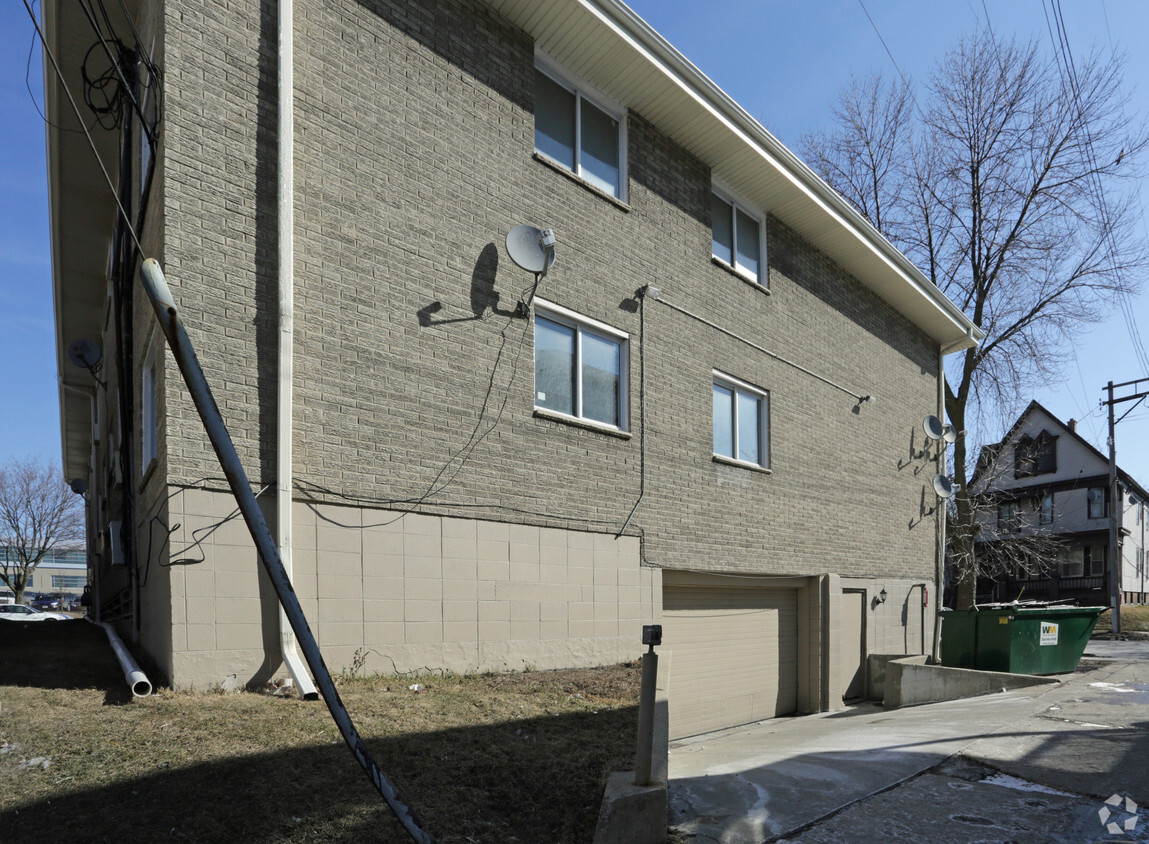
{"x": 882, "y": 597}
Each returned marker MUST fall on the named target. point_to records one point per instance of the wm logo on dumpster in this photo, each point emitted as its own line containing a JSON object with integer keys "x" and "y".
{"x": 1048, "y": 633}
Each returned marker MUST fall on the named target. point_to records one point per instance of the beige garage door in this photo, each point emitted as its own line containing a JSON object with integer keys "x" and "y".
{"x": 735, "y": 654}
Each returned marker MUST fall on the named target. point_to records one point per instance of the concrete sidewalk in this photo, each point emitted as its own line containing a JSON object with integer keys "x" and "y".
{"x": 1086, "y": 736}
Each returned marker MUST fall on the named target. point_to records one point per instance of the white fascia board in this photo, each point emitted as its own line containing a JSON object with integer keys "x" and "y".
{"x": 634, "y": 31}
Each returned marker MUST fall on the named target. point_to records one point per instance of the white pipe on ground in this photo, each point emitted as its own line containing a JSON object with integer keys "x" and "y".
{"x": 136, "y": 679}
{"x": 284, "y": 446}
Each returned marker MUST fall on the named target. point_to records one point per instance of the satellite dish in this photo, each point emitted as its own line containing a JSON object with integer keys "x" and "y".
{"x": 933, "y": 427}
{"x": 532, "y": 249}
{"x": 1132, "y": 499}
{"x": 949, "y": 434}
{"x": 79, "y": 486}
{"x": 943, "y": 486}
{"x": 84, "y": 353}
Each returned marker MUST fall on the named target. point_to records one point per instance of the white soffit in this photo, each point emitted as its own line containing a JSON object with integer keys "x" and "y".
{"x": 606, "y": 43}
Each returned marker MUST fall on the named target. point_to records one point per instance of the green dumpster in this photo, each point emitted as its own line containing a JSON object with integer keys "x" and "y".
{"x": 1020, "y": 639}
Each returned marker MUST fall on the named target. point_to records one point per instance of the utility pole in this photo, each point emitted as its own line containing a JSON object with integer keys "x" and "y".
{"x": 1116, "y": 508}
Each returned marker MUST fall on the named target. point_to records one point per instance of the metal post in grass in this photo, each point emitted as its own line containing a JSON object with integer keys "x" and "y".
{"x": 164, "y": 305}
{"x": 651, "y": 636}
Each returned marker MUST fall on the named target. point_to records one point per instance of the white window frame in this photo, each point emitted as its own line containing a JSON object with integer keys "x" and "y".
{"x": 149, "y": 419}
{"x": 586, "y": 325}
{"x": 1093, "y": 567}
{"x": 1071, "y": 563}
{"x": 1089, "y": 503}
{"x": 736, "y": 386}
{"x": 1010, "y": 517}
{"x": 730, "y": 197}
{"x": 585, "y": 91}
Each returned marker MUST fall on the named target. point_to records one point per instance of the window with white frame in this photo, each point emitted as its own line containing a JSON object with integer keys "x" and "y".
{"x": 1094, "y": 559}
{"x": 1097, "y": 502}
{"x": 1047, "y": 509}
{"x": 1071, "y": 562}
{"x": 1009, "y": 516}
{"x": 148, "y": 421}
{"x": 578, "y": 133}
{"x": 736, "y": 237}
{"x": 741, "y": 421}
{"x": 580, "y": 366}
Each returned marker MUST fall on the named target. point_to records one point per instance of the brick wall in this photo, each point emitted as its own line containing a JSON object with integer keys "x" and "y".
{"x": 414, "y": 142}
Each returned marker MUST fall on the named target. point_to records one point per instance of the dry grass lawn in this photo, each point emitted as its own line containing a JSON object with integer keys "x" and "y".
{"x": 492, "y": 758}
{"x": 1134, "y": 619}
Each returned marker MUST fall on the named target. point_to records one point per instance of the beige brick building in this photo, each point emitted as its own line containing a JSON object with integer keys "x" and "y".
{"x": 674, "y": 431}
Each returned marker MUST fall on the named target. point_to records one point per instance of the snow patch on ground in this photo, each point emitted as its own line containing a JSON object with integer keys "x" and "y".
{"x": 1018, "y": 784}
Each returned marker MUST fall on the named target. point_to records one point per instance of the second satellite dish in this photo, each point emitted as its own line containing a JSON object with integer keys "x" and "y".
{"x": 532, "y": 249}
{"x": 933, "y": 427}
{"x": 84, "y": 353}
{"x": 943, "y": 486}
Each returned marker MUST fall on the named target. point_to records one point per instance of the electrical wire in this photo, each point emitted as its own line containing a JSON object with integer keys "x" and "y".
{"x": 91, "y": 141}
{"x": 1064, "y": 52}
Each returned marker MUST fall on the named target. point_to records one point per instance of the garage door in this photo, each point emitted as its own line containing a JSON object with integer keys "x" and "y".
{"x": 735, "y": 654}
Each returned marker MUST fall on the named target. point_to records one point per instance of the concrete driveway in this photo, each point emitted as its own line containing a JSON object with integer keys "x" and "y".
{"x": 864, "y": 774}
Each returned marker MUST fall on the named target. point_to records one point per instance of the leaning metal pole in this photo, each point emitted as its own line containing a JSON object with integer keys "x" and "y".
{"x": 165, "y": 308}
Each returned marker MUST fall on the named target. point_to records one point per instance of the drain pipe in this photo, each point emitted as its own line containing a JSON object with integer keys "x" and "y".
{"x": 284, "y": 446}
{"x": 137, "y": 681}
{"x": 943, "y": 506}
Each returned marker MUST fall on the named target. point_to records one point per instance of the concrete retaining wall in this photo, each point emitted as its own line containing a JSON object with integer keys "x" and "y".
{"x": 909, "y": 681}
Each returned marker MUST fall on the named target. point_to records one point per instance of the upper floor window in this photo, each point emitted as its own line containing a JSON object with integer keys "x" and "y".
{"x": 1009, "y": 516}
{"x": 1035, "y": 455}
{"x": 1097, "y": 502}
{"x": 577, "y": 133}
{"x": 1047, "y": 509}
{"x": 736, "y": 237}
{"x": 741, "y": 421}
{"x": 580, "y": 366}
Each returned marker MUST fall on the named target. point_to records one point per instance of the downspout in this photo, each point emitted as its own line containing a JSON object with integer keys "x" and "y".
{"x": 943, "y": 507}
{"x": 89, "y": 500}
{"x": 285, "y": 202}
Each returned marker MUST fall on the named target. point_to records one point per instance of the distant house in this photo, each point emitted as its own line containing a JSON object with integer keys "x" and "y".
{"x": 675, "y": 430}
{"x": 1045, "y": 510}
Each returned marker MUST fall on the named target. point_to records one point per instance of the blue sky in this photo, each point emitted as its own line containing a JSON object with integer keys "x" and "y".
{"x": 783, "y": 61}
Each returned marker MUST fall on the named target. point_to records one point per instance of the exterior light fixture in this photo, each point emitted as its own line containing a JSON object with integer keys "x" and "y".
{"x": 882, "y": 597}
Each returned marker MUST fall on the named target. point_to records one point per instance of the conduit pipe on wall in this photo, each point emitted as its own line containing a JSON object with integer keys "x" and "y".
{"x": 136, "y": 679}
{"x": 284, "y": 395}
{"x": 943, "y": 506}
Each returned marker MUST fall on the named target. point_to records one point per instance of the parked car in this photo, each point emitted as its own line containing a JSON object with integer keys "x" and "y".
{"x": 44, "y": 601}
{"x": 23, "y": 612}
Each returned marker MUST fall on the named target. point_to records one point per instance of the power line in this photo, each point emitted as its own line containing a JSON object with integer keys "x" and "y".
{"x": 91, "y": 141}
{"x": 1064, "y": 53}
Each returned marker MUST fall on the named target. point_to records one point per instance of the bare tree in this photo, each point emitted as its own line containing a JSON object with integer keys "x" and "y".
{"x": 1005, "y": 183}
{"x": 39, "y": 514}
